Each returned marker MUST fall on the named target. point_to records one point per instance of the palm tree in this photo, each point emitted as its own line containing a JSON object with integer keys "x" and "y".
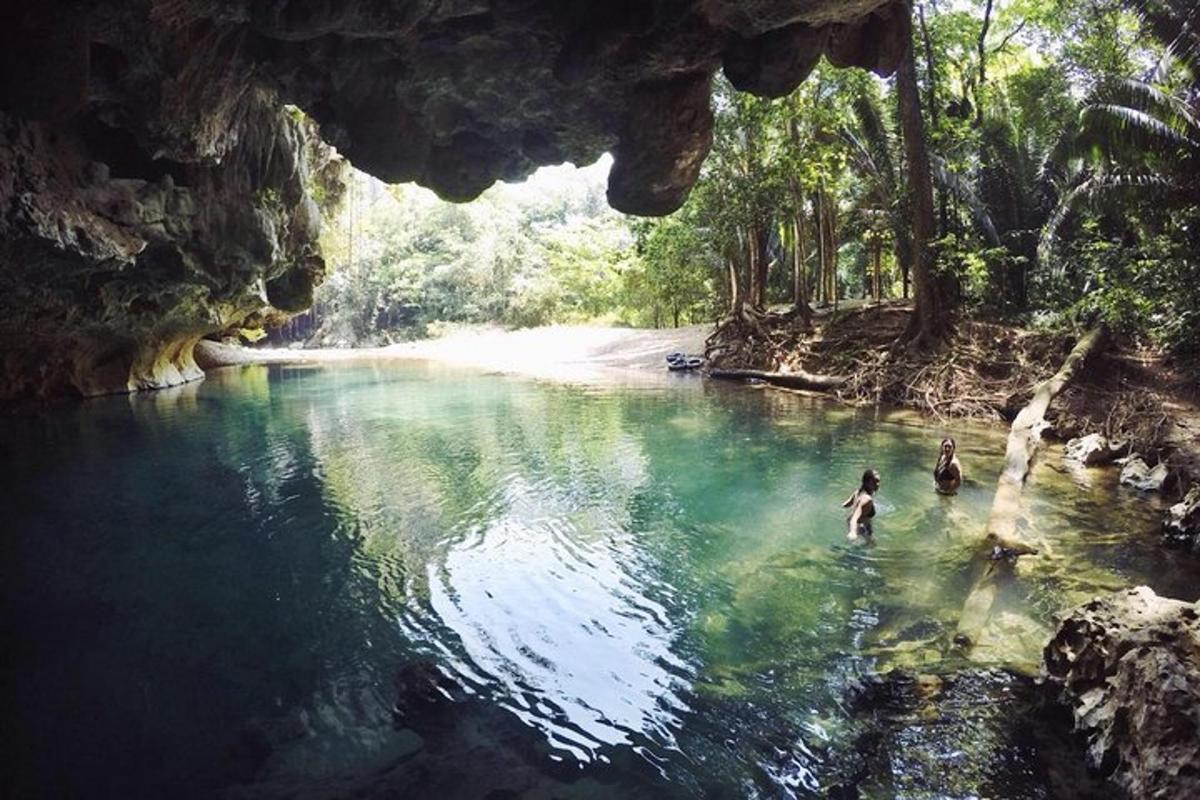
{"x": 1131, "y": 138}
{"x": 1139, "y": 138}
{"x": 873, "y": 151}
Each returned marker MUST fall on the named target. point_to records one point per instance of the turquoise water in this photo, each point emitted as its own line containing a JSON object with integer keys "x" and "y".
{"x": 385, "y": 581}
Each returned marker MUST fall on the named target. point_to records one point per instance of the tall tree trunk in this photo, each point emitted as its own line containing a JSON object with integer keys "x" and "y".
{"x": 797, "y": 264}
{"x": 983, "y": 32}
{"x": 752, "y": 269}
{"x": 762, "y": 264}
{"x": 878, "y": 281}
{"x": 735, "y": 290}
{"x": 827, "y": 270}
{"x": 902, "y": 247}
{"x": 744, "y": 271}
{"x": 931, "y": 318}
{"x": 932, "y": 103}
{"x": 800, "y": 288}
{"x": 819, "y": 286}
{"x": 830, "y": 251}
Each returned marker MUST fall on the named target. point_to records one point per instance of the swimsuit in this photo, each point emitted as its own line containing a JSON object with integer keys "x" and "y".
{"x": 946, "y": 475}
{"x": 864, "y": 516}
{"x": 943, "y": 472}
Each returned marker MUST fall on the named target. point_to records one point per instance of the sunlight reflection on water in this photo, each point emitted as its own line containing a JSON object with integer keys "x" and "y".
{"x": 379, "y": 579}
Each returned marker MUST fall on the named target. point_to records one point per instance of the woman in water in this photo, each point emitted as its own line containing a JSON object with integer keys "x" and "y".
{"x": 947, "y": 475}
{"x": 862, "y": 506}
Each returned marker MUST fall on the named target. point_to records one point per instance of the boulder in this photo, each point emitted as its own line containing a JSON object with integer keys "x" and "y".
{"x": 1181, "y": 527}
{"x": 1127, "y": 666}
{"x": 1139, "y": 475}
{"x": 1092, "y": 450}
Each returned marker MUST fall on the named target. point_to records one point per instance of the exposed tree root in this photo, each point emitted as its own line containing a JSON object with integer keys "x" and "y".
{"x": 753, "y": 338}
{"x": 982, "y": 372}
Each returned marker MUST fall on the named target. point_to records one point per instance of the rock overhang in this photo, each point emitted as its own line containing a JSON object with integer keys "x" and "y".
{"x": 452, "y": 94}
{"x": 154, "y": 186}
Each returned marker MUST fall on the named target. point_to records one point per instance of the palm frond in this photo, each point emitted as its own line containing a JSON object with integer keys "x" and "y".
{"x": 962, "y": 189}
{"x": 1130, "y": 127}
{"x": 860, "y": 153}
{"x": 1096, "y": 189}
{"x": 1062, "y": 153}
{"x": 1176, "y": 24}
{"x": 875, "y": 134}
{"x": 1008, "y": 181}
{"x": 1172, "y": 109}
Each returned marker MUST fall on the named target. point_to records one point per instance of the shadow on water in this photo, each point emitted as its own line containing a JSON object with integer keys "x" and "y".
{"x": 387, "y": 581}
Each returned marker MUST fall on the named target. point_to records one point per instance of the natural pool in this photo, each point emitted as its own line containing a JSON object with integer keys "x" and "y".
{"x": 224, "y": 590}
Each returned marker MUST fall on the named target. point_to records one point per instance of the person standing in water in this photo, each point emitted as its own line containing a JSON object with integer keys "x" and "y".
{"x": 947, "y": 475}
{"x": 862, "y": 506}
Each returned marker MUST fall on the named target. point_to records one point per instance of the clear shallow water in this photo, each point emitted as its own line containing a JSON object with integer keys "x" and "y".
{"x": 227, "y": 589}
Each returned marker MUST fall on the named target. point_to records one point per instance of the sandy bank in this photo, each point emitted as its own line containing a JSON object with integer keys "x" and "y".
{"x": 583, "y": 353}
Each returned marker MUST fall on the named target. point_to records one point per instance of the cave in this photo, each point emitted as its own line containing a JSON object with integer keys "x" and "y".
{"x": 157, "y": 185}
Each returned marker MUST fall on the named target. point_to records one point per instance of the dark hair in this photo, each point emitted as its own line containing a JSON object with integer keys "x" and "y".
{"x": 869, "y": 476}
{"x": 953, "y": 446}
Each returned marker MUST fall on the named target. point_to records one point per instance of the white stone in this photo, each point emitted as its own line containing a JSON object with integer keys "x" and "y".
{"x": 1182, "y": 524}
{"x": 1091, "y": 450}
{"x": 1139, "y": 475}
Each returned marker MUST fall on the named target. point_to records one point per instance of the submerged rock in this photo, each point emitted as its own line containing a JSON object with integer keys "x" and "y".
{"x": 924, "y": 734}
{"x": 1182, "y": 524}
{"x": 1093, "y": 450}
{"x": 1128, "y": 667}
{"x": 419, "y": 690}
{"x": 1141, "y": 476}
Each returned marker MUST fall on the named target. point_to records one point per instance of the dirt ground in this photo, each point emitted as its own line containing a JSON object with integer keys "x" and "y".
{"x": 983, "y": 371}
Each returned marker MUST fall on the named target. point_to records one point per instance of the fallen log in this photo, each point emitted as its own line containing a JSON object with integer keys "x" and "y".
{"x": 792, "y": 380}
{"x": 1002, "y": 544}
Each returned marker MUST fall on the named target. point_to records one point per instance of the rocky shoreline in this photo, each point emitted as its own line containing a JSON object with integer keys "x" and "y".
{"x": 1127, "y": 666}
{"x": 1181, "y": 524}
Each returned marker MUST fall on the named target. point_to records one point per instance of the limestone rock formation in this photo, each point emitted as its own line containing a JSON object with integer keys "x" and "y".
{"x": 1128, "y": 667}
{"x": 1092, "y": 450}
{"x": 1136, "y": 473}
{"x": 113, "y": 264}
{"x": 154, "y": 189}
{"x": 1181, "y": 528}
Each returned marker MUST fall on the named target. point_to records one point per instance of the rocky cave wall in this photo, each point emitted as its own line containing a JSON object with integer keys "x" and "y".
{"x": 155, "y": 188}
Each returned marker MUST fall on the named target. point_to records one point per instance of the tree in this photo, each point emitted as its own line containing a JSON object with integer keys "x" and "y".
{"x": 1132, "y": 137}
{"x": 672, "y": 279}
{"x": 931, "y": 318}
{"x": 874, "y": 153}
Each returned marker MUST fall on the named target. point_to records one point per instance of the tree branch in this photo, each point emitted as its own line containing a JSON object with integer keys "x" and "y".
{"x": 1008, "y": 38}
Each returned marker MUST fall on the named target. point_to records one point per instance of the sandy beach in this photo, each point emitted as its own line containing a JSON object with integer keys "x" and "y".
{"x": 576, "y": 353}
